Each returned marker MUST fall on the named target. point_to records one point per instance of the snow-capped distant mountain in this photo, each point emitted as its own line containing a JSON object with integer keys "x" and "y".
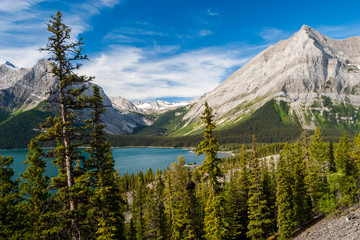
{"x": 158, "y": 106}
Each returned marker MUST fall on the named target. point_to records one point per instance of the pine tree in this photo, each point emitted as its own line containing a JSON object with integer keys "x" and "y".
{"x": 317, "y": 168}
{"x": 331, "y": 158}
{"x": 210, "y": 146}
{"x": 154, "y": 213}
{"x": 284, "y": 196}
{"x": 234, "y": 205}
{"x": 342, "y": 158}
{"x": 9, "y": 198}
{"x": 67, "y": 98}
{"x": 215, "y": 226}
{"x": 259, "y": 214}
{"x": 301, "y": 198}
{"x": 183, "y": 209}
{"x": 138, "y": 206}
{"x": 106, "y": 200}
{"x": 243, "y": 186}
{"x": 34, "y": 190}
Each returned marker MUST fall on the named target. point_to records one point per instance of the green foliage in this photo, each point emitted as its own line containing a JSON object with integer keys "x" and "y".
{"x": 17, "y": 131}
{"x": 318, "y": 166}
{"x": 341, "y": 193}
{"x": 10, "y": 219}
{"x": 182, "y": 205}
{"x": 34, "y": 190}
{"x": 259, "y": 212}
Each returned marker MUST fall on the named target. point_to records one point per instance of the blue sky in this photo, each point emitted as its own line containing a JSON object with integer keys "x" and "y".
{"x": 167, "y": 49}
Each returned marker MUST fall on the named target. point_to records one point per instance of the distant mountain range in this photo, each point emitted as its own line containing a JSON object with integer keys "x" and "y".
{"x": 305, "y": 81}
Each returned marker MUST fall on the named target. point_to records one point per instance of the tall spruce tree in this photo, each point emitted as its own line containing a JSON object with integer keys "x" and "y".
{"x": 106, "y": 200}
{"x": 138, "y": 206}
{"x": 184, "y": 212}
{"x": 10, "y": 220}
{"x": 67, "y": 97}
{"x": 318, "y": 167}
{"x": 342, "y": 157}
{"x": 154, "y": 212}
{"x": 284, "y": 196}
{"x": 259, "y": 214}
{"x": 215, "y": 225}
{"x": 34, "y": 189}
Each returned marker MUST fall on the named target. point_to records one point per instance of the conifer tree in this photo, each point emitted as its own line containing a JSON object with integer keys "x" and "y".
{"x": 301, "y": 198}
{"x": 138, "y": 206}
{"x": 269, "y": 190}
{"x": 243, "y": 187}
{"x": 215, "y": 225}
{"x": 342, "y": 158}
{"x": 34, "y": 190}
{"x": 154, "y": 213}
{"x": 284, "y": 194}
{"x": 10, "y": 220}
{"x": 184, "y": 213}
{"x": 106, "y": 200}
{"x": 259, "y": 214}
{"x": 67, "y": 97}
{"x": 234, "y": 206}
{"x": 355, "y": 153}
{"x": 331, "y": 158}
{"x": 318, "y": 167}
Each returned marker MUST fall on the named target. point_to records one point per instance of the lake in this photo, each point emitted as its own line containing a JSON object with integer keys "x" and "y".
{"x": 126, "y": 159}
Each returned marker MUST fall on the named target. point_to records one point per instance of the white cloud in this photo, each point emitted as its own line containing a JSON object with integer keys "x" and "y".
{"x": 212, "y": 13}
{"x": 17, "y": 5}
{"x": 273, "y": 34}
{"x": 23, "y": 26}
{"x": 129, "y": 72}
{"x": 204, "y": 32}
{"x": 21, "y": 57}
{"x": 339, "y": 31}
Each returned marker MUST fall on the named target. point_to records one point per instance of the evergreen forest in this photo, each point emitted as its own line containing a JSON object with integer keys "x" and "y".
{"x": 263, "y": 191}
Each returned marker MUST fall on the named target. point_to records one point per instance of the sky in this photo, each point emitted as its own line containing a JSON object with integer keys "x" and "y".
{"x": 167, "y": 49}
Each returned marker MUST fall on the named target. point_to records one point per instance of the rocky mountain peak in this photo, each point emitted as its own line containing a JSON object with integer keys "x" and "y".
{"x": 299, "y": 70}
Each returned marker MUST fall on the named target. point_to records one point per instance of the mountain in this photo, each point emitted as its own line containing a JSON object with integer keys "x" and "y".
{"x": 24, "y": 89}
{"x": 314, "y": 78}
{"x": 158, "y": 106}
{"x": 123, "y": 104}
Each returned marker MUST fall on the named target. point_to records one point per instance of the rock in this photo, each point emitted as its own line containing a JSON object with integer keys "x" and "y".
{"x": 299, "y": 70}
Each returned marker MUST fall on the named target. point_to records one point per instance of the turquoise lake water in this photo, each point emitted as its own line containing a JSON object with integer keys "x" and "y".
{"x": 126, "y": 159}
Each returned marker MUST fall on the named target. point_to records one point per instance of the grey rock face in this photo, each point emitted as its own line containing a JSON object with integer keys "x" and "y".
{"x": 26, "y": 87}
{"x": 298, "y": 70}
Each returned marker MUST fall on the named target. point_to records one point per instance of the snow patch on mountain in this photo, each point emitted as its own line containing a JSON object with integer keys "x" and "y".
{"x": 158, "y": 106}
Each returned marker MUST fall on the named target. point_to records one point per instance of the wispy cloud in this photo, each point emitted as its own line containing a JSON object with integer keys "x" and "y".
{"x": 339, "y": 31}
{"x": 22, "y": 25}
{"x": 9, "y": 6}
{"x": 212, "y": 13}
{"x": 273, "y": 34}
{"x": 136, "y": 74}
{"x": 204, "y": 32}
{"x": 134, "y": 33}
